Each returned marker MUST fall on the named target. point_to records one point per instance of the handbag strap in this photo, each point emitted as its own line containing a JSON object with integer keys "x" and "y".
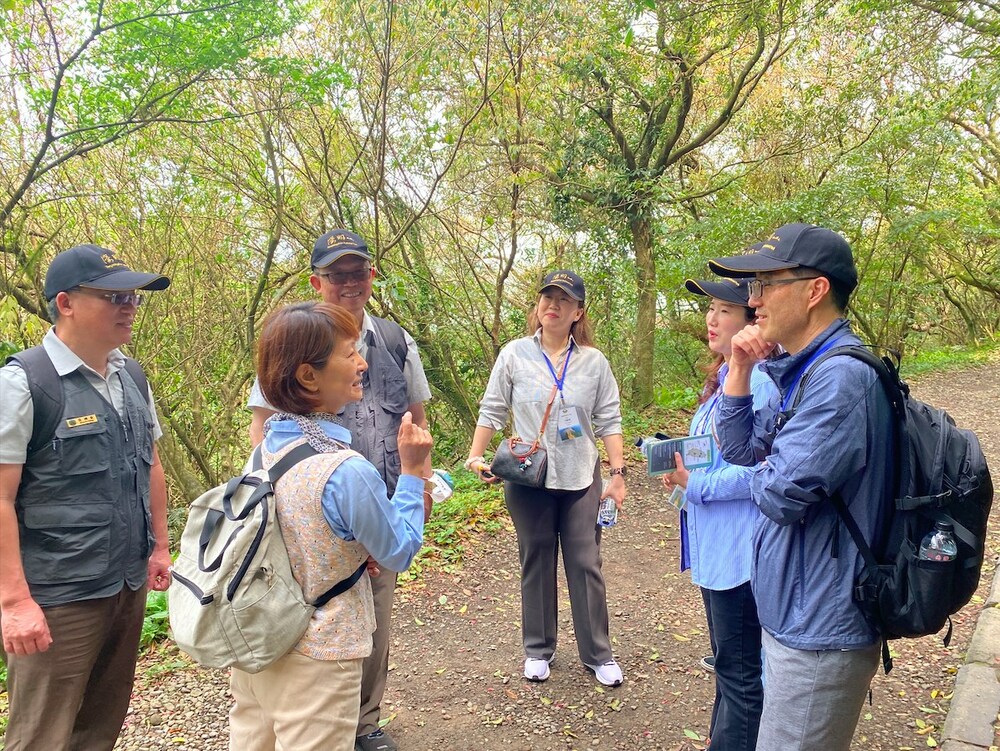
{"x": 548, "y": 411}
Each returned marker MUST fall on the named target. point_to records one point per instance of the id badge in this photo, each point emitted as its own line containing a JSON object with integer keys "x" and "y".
{"x": 568, "y": 423}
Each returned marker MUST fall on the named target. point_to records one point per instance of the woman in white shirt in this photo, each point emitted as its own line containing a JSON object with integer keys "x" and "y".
{"x": 557, "y": 361}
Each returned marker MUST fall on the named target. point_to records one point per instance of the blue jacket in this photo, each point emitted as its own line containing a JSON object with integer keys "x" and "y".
{"x": 838, "y": 441}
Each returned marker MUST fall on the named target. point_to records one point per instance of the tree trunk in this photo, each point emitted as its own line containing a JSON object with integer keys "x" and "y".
{"x": 643, "y": 344}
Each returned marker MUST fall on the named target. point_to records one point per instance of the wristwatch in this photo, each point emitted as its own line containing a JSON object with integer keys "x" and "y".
{"x": 619, "y": 471}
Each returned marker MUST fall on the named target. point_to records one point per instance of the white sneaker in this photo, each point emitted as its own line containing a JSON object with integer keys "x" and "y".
{"x": 609, "y": 673}
{"x": 536, "y": 670}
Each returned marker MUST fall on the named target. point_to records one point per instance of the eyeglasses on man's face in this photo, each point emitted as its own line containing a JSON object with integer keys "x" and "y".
{"x": 115, "y": 298}
{"x": 756, "y": 287}
{"x": 347, "y": 277}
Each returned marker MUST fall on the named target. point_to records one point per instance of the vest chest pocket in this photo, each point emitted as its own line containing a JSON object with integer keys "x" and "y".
{"x": 394, "y": 397}
{"x": 85, "y": 448}
{"x": 66, "y": 542}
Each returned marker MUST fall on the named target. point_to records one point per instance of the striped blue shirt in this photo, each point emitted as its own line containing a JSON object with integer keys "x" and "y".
{"x": 718, "y": 521}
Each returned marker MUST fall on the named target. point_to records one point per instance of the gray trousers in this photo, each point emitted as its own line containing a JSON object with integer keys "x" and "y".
{"x": 376, "y": 666}
{"x": 546, "y": 520}
{"x": 812, "y": 699}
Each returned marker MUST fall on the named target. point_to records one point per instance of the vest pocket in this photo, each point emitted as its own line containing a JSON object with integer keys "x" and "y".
{"x": 84, "y": 449}
{"x": 394, "y": 396}
{"x": 66, "y": 542}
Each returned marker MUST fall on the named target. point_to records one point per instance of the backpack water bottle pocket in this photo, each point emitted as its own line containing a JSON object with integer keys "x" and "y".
{"x": 920, "y": 604}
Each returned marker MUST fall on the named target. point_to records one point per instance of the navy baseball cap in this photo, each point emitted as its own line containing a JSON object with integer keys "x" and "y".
{"x": 791, "y": 246}
{"x": 568, "y": 282}
{"x": 336, "y": 244}
{"x": 727, "y": 289}
{"x": 97, "y": 267}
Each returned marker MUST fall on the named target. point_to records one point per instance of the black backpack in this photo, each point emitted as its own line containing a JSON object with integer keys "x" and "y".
{"x": 941, "y": 475}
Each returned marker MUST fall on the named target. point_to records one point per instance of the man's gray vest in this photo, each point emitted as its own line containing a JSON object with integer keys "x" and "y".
{"x": 374, "y": 420}
{"x": 83, "y": 502}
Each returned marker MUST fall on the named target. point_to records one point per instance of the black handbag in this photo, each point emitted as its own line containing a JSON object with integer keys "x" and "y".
{"x": 524, "y": 462}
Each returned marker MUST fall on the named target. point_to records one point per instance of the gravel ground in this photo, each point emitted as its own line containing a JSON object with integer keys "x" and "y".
{"x": 456, "y": 657}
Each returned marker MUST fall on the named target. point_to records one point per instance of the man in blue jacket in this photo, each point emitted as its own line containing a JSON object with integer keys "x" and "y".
{"x": 820, "y": 651}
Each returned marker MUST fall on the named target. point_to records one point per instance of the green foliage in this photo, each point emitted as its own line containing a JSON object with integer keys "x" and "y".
{"x": 156, "y": 623}
{"x": 476, "y": 146}
{"x": 474, "y": 509}
{"x": 943, "y": 359}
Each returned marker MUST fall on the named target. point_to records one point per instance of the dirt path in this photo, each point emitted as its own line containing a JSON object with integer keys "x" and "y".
{"x": 455, "y": 677}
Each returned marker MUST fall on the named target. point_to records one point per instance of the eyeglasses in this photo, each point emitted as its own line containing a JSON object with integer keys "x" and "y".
{"x": 115, "y": 298}
{"x": 756, "y": 287}
{"x": 341, "y": 278}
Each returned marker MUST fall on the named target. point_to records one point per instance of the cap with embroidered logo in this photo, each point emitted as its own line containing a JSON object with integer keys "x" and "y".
{"x": 96, "y": 267}
{"x": 728, "y": 290}
{"x": 567, "y": 281}
{"x": 791, "y": 246}
{"x": 336, "y": 244}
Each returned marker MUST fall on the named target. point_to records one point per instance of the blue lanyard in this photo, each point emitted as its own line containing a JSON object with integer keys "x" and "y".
{"x": 702, "y": 425}
{"x": 559, "y": 380}
{"x": 802, "y": 372}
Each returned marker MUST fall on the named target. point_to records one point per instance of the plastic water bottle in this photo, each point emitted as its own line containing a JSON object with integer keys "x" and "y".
{"x": 939, "y": 544}
{"x": 607, "y": 511}
{"x": 444, "y": 486}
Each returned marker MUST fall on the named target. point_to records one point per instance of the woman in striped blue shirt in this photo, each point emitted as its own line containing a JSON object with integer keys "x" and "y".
{"x": 717, "y": 522}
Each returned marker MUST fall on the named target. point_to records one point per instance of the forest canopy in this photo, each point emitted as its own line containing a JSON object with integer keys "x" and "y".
{"x": 476, "y": 145}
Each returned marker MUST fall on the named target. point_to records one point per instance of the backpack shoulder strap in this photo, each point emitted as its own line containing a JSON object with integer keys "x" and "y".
{"x": 885, "y": 368}
{"x": 342, "y": 586}
{"x": 285, "y": 463}
{"x": 134, "y": 369}
{"x": 394, "y": 338}
{"x": 895, "y": 391}
{"x": 46, "y": 394}
{"x": 289, "y": 460}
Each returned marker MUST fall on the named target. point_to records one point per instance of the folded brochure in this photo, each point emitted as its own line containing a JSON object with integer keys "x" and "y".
{"x": 697, "y": 451}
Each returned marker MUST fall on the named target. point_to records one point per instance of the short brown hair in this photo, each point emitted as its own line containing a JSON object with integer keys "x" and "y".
{"x": 304, "y": 332}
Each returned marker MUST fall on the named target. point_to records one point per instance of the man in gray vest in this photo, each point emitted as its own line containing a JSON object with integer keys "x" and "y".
{"x": 393, "y": 384}
{"x": 83, "y": 509}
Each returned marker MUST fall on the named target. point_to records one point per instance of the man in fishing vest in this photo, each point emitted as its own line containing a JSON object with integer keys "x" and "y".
{"x": 83, "y": 509}
{"x": 342, "y": 273}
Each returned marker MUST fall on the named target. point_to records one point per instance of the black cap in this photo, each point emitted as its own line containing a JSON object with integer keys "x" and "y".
{"x": 568, "y": 282}
{"x": 791, "y": 246}
{"x": 336, "y": 244}
{"x": 730, "y": 290}
{"x": 97, "y": 267}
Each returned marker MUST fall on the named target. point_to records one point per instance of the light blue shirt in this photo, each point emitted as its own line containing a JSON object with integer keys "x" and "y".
{"x": 355, "y": 503}
{"x": 721, "y": 514}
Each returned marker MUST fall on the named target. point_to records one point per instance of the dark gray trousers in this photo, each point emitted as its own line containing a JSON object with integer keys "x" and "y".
{"x": 375, "y": 669}
{"x": 546, "y": 520}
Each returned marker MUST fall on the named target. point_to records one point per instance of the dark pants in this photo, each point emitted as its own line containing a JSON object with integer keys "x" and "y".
{"x": 376, "y": 666}
{"x": 74, "y": 695}
{"x": 546, "y": 520}
{"x": 739, "y": 695}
